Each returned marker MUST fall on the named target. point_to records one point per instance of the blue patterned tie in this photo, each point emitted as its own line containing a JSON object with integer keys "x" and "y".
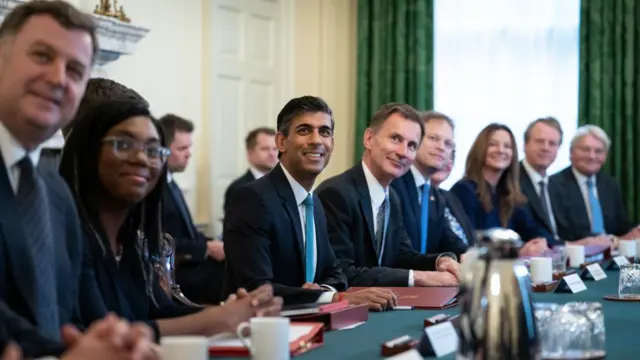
{"x": 33, "y": 209}
{"x": 424, "y": 218}
{"x": 455, "y": 225}
{"x": 310, "y": 241}
{"x": 597, "y": 223}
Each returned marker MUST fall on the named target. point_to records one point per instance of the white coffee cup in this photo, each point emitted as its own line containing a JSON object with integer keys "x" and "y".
{"x": 541, "y": 270}
{"x": 628, "y": 248}
{"x": 575, "y": 254}
{"x": 184, "y": 347}
{"x": 269, "y": 339}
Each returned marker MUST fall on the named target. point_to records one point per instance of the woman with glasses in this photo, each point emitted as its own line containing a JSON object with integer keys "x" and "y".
{"x": 114, "y": 164}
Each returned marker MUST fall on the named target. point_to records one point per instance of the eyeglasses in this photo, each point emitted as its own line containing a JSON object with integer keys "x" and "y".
{"x": 126, "y": 148}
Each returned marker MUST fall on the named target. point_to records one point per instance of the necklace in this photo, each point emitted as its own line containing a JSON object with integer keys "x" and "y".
{"x": 118, "y": 253}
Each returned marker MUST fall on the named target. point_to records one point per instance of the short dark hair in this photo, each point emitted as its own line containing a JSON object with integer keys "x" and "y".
{"x": 65, "y": 14}
{"x": 405, "y": 110}
{"x": 173, "y": 123}
{"x": 549, "y": 121}
{"x": 430, "y": 115}
{"x": 298, "y": 106}
{"x": 252, "y": 137}
{"x": 100, "y": 89}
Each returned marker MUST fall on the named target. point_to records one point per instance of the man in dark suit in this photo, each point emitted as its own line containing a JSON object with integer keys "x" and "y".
{"x": 41, "y": 244}
{"x": 590, "y": 202}
{"x": 364, "y": 216}
{"x": 262, "y": 155}
{"x": 275, "y": 230}
{"x": 454, "y": 213}
{"x": 542, "y": 139}
{"x": 422, "y": 206}
{"x": 200, "y": 260}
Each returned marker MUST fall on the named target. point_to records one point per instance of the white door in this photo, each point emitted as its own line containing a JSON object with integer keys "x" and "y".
{"x": 249, "y": 83}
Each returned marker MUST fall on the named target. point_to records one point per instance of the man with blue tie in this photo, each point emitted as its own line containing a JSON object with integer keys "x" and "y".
{"x": 423, "y": 208}
{"x": 275, "y": 229}
{"x": 589, "y": 201}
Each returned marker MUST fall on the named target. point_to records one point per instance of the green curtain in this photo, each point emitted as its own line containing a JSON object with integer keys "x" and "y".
{"x": 609, "y": 93}
{"x": 395, "y": 58}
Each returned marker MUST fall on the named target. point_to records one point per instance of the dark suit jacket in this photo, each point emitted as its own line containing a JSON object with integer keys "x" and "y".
{"x": 107, "y": 286}
{"x": 17, "y": 298}
{"x": 534, "y": 204}
{"x": 456, "y": 209}
{"x": 351, "y": 231}
{"x": 199, "y": 276}
{"x": 246, "y": 178}
{"x": 263, "y": 242}
{"x": 572, "y": 219}
{"x": 520, "y": 221}
{"x": 440, "y": 237}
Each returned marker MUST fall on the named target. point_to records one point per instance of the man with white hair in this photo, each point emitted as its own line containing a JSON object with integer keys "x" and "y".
{"x": 591, "y": 201}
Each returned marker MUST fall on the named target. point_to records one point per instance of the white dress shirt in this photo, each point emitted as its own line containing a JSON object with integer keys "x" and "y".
{"x": 257, "y": 174}
{"x": 300, "y": 194}
{"x": 12, "y": 153}
{"x": 420, "y": 181}
{"x": 535, "y": 178}
{"x": 584, "y": 189}
{"x": 378, "y": 194}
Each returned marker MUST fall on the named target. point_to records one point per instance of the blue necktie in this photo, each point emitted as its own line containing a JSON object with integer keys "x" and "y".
{"x": 597, "y": 224}
{"x": 310, "y": 241}
{"x": 424, "y": 218}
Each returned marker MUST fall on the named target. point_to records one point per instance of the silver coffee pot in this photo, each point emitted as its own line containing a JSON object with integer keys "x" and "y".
{"x": 497, "y": 320}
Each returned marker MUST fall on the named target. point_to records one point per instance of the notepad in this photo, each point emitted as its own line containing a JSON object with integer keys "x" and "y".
{"x": 232, "y": 340}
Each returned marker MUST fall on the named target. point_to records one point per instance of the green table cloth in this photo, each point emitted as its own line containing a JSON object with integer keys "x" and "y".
{"x": 622, "y": 321}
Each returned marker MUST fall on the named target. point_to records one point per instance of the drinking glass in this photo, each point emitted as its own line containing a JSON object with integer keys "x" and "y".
{"x": 629, "y": 284}
{"x": 571, "y": 331}
{"x": 559, "y": 259}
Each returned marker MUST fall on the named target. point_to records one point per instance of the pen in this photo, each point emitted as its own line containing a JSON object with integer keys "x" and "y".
{"x": 403, "y": 308}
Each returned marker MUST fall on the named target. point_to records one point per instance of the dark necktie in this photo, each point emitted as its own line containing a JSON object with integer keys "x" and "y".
{"x": 33, "y": 209}
{"x": 543, "y": 200}
{"x": 309, "y": 239}
{"x": 424, "y": 218}
{"x": 382, "y": 218}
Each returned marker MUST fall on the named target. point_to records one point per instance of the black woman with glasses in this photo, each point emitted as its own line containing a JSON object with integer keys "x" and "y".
{"x": 114, "y": 162}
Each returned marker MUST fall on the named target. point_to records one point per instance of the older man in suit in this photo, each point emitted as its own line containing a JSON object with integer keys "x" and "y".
{"x": 47, "y": 50}
{"x": 262, "y": 155}
{"x": 275, "y": 230}
{"x": 364, "y": 215}
{"x": 590, "y": 202}
{"x": 422, "y": 206}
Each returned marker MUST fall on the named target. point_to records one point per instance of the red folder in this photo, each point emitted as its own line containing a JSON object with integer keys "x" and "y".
{"x": 312, "y": 339}
{"x": 431, "y": 297}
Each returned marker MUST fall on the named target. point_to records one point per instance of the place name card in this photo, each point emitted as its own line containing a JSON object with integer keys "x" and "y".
{"x": 595, "y": 272}
{"x": 571, "y": 284}
{"x": 618, "y": 261}
{"x": 443, "y": 339}
{"x": 412, "y": 354}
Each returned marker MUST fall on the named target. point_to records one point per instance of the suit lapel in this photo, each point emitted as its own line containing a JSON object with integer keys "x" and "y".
{"x": 179, "y": 201}
{"x": 360, "y": 183}
{"x": 14, "y": 235}
{"x": 283, "y": 188}
{"x": 532, "y": 195}
{"x": 412, "y": 190}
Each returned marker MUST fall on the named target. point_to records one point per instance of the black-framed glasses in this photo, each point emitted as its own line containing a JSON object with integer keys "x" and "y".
{"x": 126, "y": 148}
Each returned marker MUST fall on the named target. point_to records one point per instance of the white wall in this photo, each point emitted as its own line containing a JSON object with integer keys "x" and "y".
{"x": 166, "y": 68}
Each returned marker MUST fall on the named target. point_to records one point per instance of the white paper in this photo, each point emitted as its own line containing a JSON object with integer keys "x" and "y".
{"x": 352, "y": 326}
{"x": 412, "y": 354}
{"x": 596, "y": 272}
{"x": 396, "y": 341}
{"x": 231, "y": 340}
{"x": 575, "y": 283}
{"x": 443, "y": 338}
{"x": 621, "y": 260}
